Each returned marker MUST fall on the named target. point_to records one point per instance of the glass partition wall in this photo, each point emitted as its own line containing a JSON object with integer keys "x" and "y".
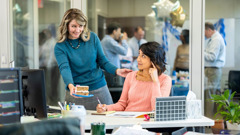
{"x": 163, "y": 21}
{"x": 34, "y": 30}
{"x": 129, "y": 13}
{"x": 226, "y": 23}
{"x": 152, "y": 15}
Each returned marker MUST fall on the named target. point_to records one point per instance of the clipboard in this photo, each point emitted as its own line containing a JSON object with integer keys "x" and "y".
{"x": 103, "y": 113}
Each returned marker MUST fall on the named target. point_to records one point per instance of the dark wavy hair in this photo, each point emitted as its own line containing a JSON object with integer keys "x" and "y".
{"x": 185, "y": 34}
{"x": 156, "y": 54}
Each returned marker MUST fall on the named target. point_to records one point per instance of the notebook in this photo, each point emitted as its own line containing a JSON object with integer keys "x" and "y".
{"x": 103, "y": 113}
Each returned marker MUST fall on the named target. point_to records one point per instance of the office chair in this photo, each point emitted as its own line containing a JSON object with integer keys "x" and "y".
{"x": 64, "y": 126}
{"x": 181, "y": 131}
{"x": 234, "y": 81}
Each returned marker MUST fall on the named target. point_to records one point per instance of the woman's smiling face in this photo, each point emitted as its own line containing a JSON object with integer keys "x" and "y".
{"x": 75, "y": 29}
{"x": 143, "y": 60}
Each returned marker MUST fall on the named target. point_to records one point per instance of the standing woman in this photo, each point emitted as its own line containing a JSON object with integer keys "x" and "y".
{"x": 81, "y": 59}
{"x": 181, "y": 62}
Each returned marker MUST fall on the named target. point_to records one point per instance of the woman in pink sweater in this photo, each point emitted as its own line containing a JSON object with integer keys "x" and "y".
{"x": 142, "y": 87}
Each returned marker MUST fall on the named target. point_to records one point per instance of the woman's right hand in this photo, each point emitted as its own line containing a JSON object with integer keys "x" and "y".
{"x": 101, "y": 108}
{"x": 72, "y": 89}
{"x": 153, "y": 73}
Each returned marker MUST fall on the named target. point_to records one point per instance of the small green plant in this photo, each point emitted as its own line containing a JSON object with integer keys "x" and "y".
{"x": 227, "y": 108}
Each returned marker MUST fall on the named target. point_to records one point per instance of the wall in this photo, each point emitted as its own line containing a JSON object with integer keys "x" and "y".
{"x": 132, "y": 7}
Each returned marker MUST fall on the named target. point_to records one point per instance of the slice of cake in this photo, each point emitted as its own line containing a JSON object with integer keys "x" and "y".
{"x": 82, "y": 90}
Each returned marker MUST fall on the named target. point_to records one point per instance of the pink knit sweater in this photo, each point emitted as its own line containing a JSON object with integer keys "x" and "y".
{"x": 139, "y": 95}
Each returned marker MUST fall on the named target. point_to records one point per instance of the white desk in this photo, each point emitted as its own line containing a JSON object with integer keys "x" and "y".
{"x": 113, "y": 122}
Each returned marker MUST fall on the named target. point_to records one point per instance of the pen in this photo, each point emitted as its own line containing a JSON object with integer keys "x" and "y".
{"x": 101, "y": 104}
{"x": 67, "y": 108}
{"x": 99, "y": 101}
{"x": 60, "y": 105}
{"x": 70, "y": 105}
{"x": 65, "y": 105}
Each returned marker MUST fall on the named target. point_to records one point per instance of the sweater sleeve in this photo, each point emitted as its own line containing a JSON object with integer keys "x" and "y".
{"x": 63, "y": 64}
{"x": 122, "y": 102}
{"x": 101, "y": 58}
{"x": 161, "y": 89}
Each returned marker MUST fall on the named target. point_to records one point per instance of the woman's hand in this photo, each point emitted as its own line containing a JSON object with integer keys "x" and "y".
{"x": 123, "y": 72}
{"x": 72, "y": 89}
{"x": 101, "y": 108}
{"x": 153, "y": 73}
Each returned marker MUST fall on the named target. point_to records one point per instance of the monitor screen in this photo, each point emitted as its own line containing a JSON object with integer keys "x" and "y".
{"x": 11, "y": 107}
{"x": 33, "y": 88}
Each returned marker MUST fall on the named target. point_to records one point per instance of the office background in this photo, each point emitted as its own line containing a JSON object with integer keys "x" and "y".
{"x": 21, "y": 25}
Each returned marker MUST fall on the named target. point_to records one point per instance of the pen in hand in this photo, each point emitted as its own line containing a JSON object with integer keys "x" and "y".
{"x": 99, "y": 101}
{"x": 101, "y": 105}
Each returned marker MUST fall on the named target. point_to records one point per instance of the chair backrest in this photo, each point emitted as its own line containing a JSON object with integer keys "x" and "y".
{"x": 234, "y": 80}
{"x": 64, "y": 126}
{"x": 179, "y": 91}
{"x": 181, "y": 131}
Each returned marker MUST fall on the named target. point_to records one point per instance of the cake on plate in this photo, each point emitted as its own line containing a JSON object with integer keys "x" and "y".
{"x": 82, "y": 90}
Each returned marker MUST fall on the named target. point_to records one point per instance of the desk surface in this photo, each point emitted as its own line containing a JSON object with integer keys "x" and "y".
{"x": 113, "y": 122}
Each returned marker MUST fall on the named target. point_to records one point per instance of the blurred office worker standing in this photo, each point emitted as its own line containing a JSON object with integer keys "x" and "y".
{"x": 214, "y": 55}
{"x": 135, "y": 42}
{"x": 181, "y": 62}
{"x": 112, "y": 48}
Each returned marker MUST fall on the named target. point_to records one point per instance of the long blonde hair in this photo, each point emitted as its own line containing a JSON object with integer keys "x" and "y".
{"x": 70, "y": 15}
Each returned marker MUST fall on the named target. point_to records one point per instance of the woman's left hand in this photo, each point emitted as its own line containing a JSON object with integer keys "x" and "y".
{"x": 123, "y": 72}
{"x": 153, "y": 73}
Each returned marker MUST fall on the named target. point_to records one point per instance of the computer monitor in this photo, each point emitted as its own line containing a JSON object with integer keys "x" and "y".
{"x": 33, "y": 88}
{"x": 11, "y": 108}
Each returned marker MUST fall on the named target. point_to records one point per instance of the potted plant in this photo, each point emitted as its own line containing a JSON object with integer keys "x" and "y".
{"x": 228, "y": 109}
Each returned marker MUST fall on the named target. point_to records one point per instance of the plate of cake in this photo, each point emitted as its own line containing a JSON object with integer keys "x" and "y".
{"x": 82, "y": 91}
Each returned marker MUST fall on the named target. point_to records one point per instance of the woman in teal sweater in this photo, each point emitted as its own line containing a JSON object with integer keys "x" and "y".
{"x": 81, "y": 59}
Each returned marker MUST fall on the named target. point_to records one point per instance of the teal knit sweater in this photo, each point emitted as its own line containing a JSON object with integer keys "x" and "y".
{"x": 83, "y": 65}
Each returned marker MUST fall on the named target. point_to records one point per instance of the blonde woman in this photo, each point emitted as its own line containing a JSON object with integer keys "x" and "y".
{"x": 81, "y": 59}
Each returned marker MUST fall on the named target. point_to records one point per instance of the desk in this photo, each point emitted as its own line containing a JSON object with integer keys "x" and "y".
{"x": 114, "y": 122}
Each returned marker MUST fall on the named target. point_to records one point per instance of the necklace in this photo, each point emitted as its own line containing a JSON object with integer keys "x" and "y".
{"x": 73, "y": 46}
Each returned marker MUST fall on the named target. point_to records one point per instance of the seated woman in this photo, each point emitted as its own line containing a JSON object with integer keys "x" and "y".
{"x": 142, "y": 87}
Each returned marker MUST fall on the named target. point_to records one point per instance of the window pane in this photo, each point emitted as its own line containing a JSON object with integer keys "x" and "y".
{"x": 157, "y": 22}
{"x": 221, "y": 59}
{"x": 23, "y": 40}
{"x": 50, "y": 14}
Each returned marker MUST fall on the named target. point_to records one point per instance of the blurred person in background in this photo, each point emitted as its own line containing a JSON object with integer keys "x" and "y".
{"x": 181, "y": 62}
{"x": 114, "y": 44}
{"x": 135, "y": 42}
